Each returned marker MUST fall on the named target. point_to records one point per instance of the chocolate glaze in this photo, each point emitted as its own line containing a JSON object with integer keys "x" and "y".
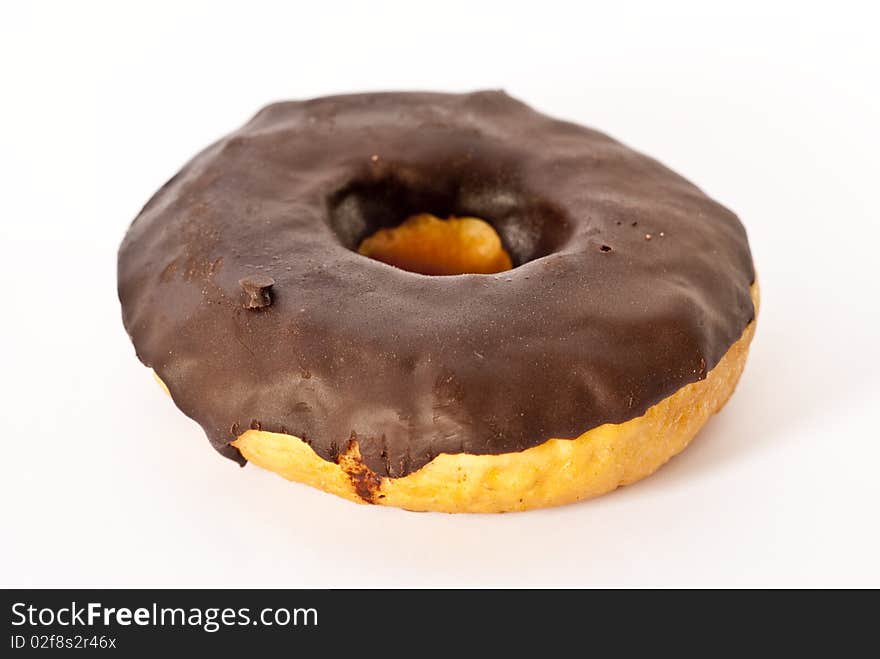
{"x": 628, "y": 284}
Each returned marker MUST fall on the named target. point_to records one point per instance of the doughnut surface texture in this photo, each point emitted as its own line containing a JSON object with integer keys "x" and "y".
{"x": 628, "y": 282}
{"x": 557, "y": 472}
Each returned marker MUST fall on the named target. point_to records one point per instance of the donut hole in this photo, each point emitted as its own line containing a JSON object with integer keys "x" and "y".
{"x": 430, "y": 246}
{"x": 445, "y": 220}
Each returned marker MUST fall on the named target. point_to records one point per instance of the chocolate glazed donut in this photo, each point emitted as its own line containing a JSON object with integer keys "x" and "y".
{"x": 242, "y": 288}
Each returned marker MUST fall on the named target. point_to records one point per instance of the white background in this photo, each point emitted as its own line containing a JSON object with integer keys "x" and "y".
{"x": 774, "y": 111}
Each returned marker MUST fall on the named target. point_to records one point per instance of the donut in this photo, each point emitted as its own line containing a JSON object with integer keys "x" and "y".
{"x": 440, "y": 302}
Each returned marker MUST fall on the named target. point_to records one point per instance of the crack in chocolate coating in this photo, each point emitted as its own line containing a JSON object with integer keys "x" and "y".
{"x": 594, "y": 324}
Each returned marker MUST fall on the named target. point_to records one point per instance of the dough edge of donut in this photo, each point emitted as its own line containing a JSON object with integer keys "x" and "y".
{"x": 553, "y": 473}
